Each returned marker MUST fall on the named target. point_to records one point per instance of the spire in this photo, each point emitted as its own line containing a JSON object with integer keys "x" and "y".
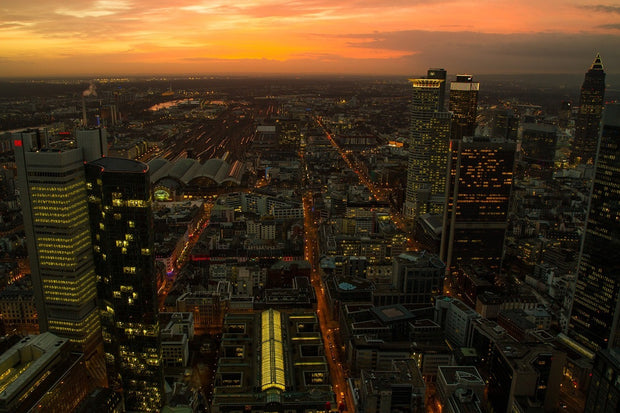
{"x": 597, "y": 64}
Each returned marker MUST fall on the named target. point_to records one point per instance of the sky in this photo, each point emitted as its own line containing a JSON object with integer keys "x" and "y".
{"x": 40, "y": 38}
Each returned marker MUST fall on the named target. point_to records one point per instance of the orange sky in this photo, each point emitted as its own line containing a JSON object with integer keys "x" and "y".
{"x": 402, "y": 37}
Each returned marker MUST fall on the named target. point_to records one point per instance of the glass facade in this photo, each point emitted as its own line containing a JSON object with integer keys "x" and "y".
{"x": 479, "y": 185}
{"x": 119, "y": 198}
{"x": 591, "y": 103}
{"x": 272, "y": 351}
{"x": 596, "y": 304}
{"x": 464, "y": 105}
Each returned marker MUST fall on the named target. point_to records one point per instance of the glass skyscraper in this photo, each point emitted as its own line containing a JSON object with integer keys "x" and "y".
{"x": 591, "y": 103}
{"x": 119, "y": 199}
{"x": 595, "y": 314}
{"x": 464, "y": 105}
{"x": 477, "y": 201}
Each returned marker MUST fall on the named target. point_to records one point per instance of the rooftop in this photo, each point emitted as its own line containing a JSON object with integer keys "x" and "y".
{"x": 121, "y": 165}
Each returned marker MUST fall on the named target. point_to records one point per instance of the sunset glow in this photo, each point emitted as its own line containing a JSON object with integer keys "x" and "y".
{"x": 54, "y": 37}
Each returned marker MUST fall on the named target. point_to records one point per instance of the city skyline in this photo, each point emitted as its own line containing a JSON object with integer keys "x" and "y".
{"x": 51, "y": 38}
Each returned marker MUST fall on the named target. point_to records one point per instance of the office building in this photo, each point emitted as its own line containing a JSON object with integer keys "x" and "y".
{"x": 538, "y": 145}
{"x": 52, "y": 189}
{"x": 41, "y": 373}
{"x": 604, "y": 390}
{"x": 596, "y": 304}
{"x": 478, "y": 193}
{"x": 464, "y": 105}
{"x": 272, "y": 361}
{"x": 430, "y": 135}
{"x": 119, "y": 200}
{"x": 417, "y": 278}
{"x": 524, "y": 375}
{"x": 452, "y": 378}
{"x": 587, "y": 123}
{"x": 505, "y": 124}
{"x": 398, "y": 389}
{"x": 457, "y": 320}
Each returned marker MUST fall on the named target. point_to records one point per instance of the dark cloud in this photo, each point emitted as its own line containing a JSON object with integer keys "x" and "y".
{"x": 497, "y": 53}
{"x": 612, "y": 26}
{"x": 601, "y": 8}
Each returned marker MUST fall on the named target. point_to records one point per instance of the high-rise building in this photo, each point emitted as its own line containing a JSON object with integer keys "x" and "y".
{"x": 119, "y": 201}
{"x": 604, "y": 392}
{"x": 52, "y": 188}
{"x": 464, "y": 105}
{"x": 591, "y": 104}
{"x": 538, "y": 145}
{"x": 505, "y": 124}
{"x": 430, "y": 134}
{"x": 595, "y": 314}
{"x": 477, "y": 200}
{"x": 41, "y": 374}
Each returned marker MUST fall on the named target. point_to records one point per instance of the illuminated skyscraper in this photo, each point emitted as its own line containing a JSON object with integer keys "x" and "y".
{"x": 428, "y": 146}
{"x": 595, "y": 315}
{"x": 478, "y": 193}
{"x": 464, "y": 105}
{"x": 52, "y": 188}
{"x": 591, "y": 103}
{"x": 119, "y": 200}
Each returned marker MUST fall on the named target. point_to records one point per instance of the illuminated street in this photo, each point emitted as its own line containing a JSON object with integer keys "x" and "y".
{"x": 329, "y": 327}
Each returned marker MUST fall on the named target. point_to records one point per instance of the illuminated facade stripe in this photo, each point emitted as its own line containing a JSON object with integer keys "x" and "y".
{"x": 272, "y": 351}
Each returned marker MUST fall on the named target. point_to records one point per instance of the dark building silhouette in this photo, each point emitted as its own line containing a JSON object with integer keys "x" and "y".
{"x": 538, "y": 145}
{"x": 417, "y": 278}
{"x": 596, "y": 306}
{"x": 464, "y": 105}
{"x": 505, "y": 124}
{"x": 591, "y": 103}
{"x": 477, "y": 201}
{"x": 119, "y": 200}
{"x": 604, "y": 391}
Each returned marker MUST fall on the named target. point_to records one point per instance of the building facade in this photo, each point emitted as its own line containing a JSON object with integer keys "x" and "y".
{"x": 604, "y": 390}
{"x": 591, "y": 104}
{"x": 417, "y": 278}
{"x": 478, "y": 193}
{"x": 596, "y": 302}
{"x": 52, "y": 189}
{"x": 119, "y": 200}
{"x": 464, "y": 105}
{"x": 429, "y": 138}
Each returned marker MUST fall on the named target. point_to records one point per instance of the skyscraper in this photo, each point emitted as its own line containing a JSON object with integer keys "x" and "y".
{"x": 52, "y": 188}
{"x": 428, "y": 146}
{"x": 464, "y": 105}
{"x": 477, "y": 200}
{"x": 119, "y": 201}
{"x": 538, "y": 146}
{"x": 505, "y": 124}
{"x": 591, "y": 103}
{"x": 595, "y": 314}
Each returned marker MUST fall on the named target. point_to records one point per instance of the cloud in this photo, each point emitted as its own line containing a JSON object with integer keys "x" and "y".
{"x": 98, "y": 8}
{"x": 601, "y": 8}
{"x": 611, "y": 26}
{"x": 14, "y": 25}
{"x": 496, "y": 53}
